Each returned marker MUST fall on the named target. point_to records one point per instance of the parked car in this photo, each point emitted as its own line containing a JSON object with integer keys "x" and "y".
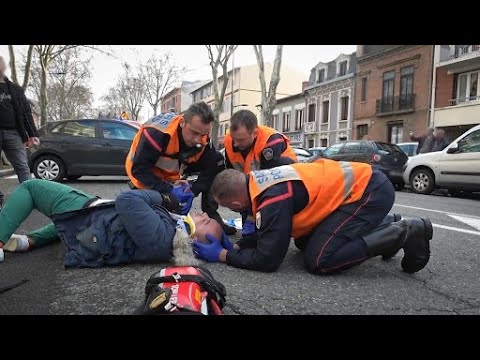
{"x": 316, "y": 151}
{"x": 409, "y": 148}
{"x": 456, "y": 168}
{"x": 302, "y": 154}
{"x": 388, "y": 158}
{"x": 73, "y": 148}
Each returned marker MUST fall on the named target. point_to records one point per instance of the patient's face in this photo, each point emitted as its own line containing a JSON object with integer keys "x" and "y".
{"x": 205, "y": 225}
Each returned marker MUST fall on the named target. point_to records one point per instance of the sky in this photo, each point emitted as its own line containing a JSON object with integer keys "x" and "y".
{"x": 105, "y": 69}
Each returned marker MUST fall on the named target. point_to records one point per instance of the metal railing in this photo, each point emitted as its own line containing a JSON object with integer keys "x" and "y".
{"x": 471, "y": 99}
{"x": 395, "y": 103}
{"x": 462, "y": 50}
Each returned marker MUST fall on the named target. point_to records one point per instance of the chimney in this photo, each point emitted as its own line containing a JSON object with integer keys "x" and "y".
{"x": 360, "y": 50}
{"x": 304, "y": 85}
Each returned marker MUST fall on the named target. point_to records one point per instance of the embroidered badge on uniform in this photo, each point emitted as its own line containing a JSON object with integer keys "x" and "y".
{"x": 268, "y": 154}
{"x": 258, "y": 220}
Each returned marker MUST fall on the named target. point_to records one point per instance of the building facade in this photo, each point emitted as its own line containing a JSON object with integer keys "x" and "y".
{"x": 289, "y": 118}
{"x": 456, "y": 94}
{"x": 329, "y": 97}
{"x": 179, "y": 98}
{"x": 392, "y": 91}
{"x": 243, "y": 91}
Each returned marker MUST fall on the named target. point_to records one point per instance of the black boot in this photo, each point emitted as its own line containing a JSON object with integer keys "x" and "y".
{"x": 390, "y": 218}
{"x": 229, "y": 230}
{"x": 386, "y": 239}
{"x": 412, "y": 234}
{"x": 417, "y": 244}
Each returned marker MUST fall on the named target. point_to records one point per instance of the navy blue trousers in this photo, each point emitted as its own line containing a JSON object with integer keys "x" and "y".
{"x": 336, "y": 244}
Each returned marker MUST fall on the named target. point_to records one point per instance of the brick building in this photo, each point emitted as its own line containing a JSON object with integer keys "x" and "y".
{"x": 456, "y": 94}
{"x": 392, "y": 91}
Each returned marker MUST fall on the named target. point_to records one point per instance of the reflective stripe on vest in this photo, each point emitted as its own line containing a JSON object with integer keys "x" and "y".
{"x": 266, "y": 178}
{"x": 168, "y": 164}
{"x": 348, "y": 179}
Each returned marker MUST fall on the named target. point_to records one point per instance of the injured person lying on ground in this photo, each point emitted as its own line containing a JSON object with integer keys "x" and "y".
{"x": 136, "y": 227}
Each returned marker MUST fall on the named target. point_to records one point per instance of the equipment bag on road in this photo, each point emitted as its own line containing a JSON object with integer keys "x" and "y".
{"x": 184, "y": 290}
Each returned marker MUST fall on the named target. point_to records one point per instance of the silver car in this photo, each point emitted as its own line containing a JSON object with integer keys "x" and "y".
{"x": 456, "y": 168}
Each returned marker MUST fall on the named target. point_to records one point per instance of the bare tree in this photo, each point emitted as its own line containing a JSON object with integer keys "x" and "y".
{"x": 127, "y": 94}
{"x": 219, "y": 56}
{"x": 159, "y": 74}
{"x": 26, "y": 68}
{"x": 68, "y": 91}
{"x": 132, "y": 90}
{"x": 46, "y": 55}
{"x": 269, "y": 99}
{"x": 113, "y": 103}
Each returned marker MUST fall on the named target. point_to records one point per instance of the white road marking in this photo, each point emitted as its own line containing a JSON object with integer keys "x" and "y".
{"x": 437, "y": 211}
{"x": 470, "y": 221}
{"x": 456, "y": 229}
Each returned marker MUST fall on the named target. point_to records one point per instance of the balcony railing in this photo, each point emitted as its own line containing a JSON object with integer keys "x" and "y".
{"x": 469, "y": 100}
{"x": 395, "y": 103}
{"x": 463, "y": 50}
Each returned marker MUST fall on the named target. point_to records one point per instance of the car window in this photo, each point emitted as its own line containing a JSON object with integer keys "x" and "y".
{"x": 57, "y": 129}
{"x": 301, "y": 152}
{"x": 408, "y": 149}
{"x": 388, "y": 149}
{"x": 332, "y": 150}
{"x": 353, "y": 147}
{"x": 405, "y": 148}
{"x": 112, "y": 130}
{"x": 83, "y": 128}
{"x": 470, "y": 143}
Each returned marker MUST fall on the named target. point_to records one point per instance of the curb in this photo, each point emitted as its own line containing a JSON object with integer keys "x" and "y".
{"x": 6, "y": 172}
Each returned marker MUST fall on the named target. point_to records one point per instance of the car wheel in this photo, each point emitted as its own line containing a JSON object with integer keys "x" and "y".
{"x": 73, "y": 177}
{"x": 49, "y": 167}
{"x": 422, "y": 181}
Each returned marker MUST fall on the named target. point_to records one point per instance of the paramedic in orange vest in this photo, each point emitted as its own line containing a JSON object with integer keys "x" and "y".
{"x": 249, "y": 146}
{"x": 166, "y": 146}
{"x": 337, "y": 212}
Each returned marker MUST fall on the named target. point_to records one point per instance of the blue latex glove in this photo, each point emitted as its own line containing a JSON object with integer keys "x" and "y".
{"x": 208, "y": 252}
{"x": 248, "y": 228}
{"x": 226, "y": 243}
{"x": 181, "y": 192}
{"x": 184, "y": 196}
{"x": 187, "y": 205}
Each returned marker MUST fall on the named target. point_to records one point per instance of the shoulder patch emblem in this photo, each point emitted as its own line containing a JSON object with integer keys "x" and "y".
{"x": 268, "y": 153}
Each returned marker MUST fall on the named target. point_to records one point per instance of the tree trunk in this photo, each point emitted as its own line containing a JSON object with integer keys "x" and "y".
{"x": 43, "y": 95}
{"x": 269, "y": 99}
{"x": 13, "y": 66}
{"x": 155, "y": 107}
{"x": 28, "y": 65}
{"x": 274, "y": 81}
{"x": 216, "y": 125}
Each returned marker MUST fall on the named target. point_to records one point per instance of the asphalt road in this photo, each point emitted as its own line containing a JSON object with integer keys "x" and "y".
{"x": 448, "y": 285}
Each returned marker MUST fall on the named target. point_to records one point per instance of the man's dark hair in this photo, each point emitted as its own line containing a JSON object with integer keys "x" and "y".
{"x": 244, "y": 118}
{"x": 200, "y": 109}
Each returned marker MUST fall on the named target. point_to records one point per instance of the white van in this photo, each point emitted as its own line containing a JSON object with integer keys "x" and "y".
{"x": 456, "y": 168}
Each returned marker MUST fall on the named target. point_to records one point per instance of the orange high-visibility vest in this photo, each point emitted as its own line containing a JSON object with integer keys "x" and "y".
{"x": 253, "y": 159}
{"x": 167, "y": 167}
{"x": 330, "y": 184}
